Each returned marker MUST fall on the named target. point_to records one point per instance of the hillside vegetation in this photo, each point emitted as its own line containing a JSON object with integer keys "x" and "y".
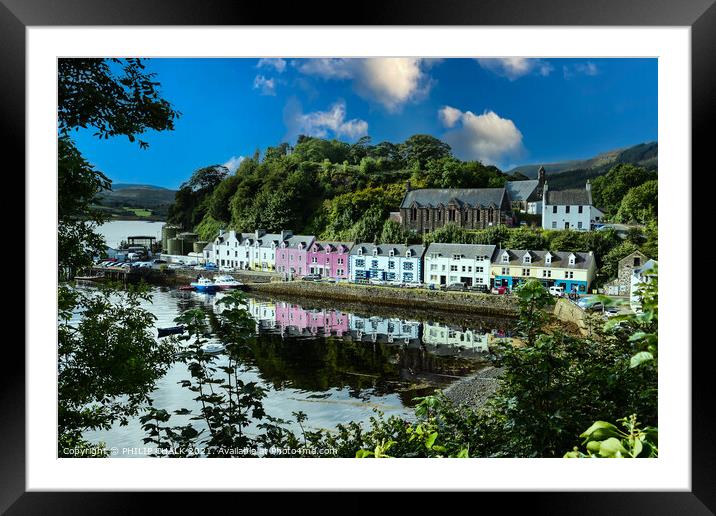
{"x": 136, "y": 201}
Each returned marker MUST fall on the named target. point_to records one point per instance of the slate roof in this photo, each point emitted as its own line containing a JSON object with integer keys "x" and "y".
{"x": 293, "y": 241}
{"x": 384, "y": 249}
{"x": 559, "y": 258}
{"x": 321, "y": 245}
{"x": 521, "y": 190}
{"x": 470, "y": 251}
{"x": 472, "y": 197}
{"x": 574, "y": 197}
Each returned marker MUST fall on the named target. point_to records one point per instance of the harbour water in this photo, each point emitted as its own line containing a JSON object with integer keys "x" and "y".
{"x": 335, "y": 366}
{"x": 117, "y": 230}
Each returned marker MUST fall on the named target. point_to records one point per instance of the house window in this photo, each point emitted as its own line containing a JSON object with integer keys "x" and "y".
{"x": 554, "y": 225}
{"x": 360, "y": 252}
{"x": 339, "y": 272}
{"x": 554, "y": 209}
{"x": 579, "y": 225}
{"x": 505, "y": 258}
{"x": 414, "y": 214}
{"x": 546, "y": 274}
{"x": 527, "y": 259}
{"x": 505, "y": 271}
{"x": 566, "y": 209}
{"x": 360, "y": 263}
{"x": 408, "y": 266}
{"x": 525, "y": 272}
{"x": 637, "y": 262}
{"x": 390, "y": 276}
{"x": 569, "y": 274}
{"x": 391, "y": 254}
{"x": 453, "y": 268}
{"x": 407, "y": 277}
{"x": 339, "y": 261}
{"x": 374, "y": 264}
{"x": 451, "y": 215}
{"x": 571, "y": 260}
{"x": 479, "y": 269}
{"x": 433, "y": 266}
{"x": 314, "y": 260}
{"x": 391, "y": 264}
{"x": 580, "y": 209}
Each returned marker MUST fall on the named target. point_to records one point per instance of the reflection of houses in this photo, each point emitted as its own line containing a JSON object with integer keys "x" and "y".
{"x": 452, "y": 263}
{"x": 379, "y": 329}
{"x": 436, "y": 334}
{"x": 263, "y": 312}
{"x": 393, "y": 263}
{"x": 573, "y": 271}
{"x": 294, "y": 320}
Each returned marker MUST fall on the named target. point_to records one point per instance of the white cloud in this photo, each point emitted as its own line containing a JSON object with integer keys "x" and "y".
{"x": 233, "y": 163}
{"x": 267, "y": 86}
{"x": 587, "y": 68}
{"x": 488, "y": 137}
{"x": 277, "y": 63}
{"x": 515, "y": 67}
{"x": 323, "y": 123}
{"x": 390, "y": 81}
{"x": 449, "y": 116}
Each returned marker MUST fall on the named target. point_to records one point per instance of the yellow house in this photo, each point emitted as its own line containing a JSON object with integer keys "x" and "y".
{"x": 574, "y": 271}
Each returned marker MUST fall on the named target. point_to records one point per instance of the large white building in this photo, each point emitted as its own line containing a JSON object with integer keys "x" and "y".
{"x": 392, "y": 263}
{"x": 255, "y": 250}
{"x": 569, "y": 209}
{"x": 453, "y": 263}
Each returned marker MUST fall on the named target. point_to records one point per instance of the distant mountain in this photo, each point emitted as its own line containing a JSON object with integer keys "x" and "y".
{"x": 127, "y": 200}
{"x": 574, "y": 173}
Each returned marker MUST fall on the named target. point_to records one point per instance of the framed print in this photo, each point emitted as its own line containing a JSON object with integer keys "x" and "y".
{"x": 429, "y": 236}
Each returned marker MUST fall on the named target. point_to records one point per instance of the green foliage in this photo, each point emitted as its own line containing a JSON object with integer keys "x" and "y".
{"x": 78, "y": 184}
{"x": 108, "y": 360}
{"x": 114, "y": 96}
{"x": 610, "y": 263}
{"x": 533, "y": 298}
{"x": 609, "y": 189}
{"x": 605, "y": 440}
{"x": 208, "y": 228}
{"x": 193, "y": 199}
{"x": 640, "y": 204}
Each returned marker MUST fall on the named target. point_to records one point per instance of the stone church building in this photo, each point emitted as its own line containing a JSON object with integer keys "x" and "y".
{"x": 427, "y": 209}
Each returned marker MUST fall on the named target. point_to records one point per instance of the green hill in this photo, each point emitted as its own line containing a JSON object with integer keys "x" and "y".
{"x": 574, "y": 173}
{"x": 132, "y": 201}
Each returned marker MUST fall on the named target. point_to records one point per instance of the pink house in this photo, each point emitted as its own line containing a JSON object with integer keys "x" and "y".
{"x": 329, "y": 259}
{"x": 294, "y": 319}
{"x": 291, "y": 255}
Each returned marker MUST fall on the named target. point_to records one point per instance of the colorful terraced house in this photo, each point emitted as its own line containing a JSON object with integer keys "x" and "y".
{"x": 574, "y": 271}
{"x": 292, "y": 256}
{"x": 329, "y": 259}
{"x": 390, "y": 263}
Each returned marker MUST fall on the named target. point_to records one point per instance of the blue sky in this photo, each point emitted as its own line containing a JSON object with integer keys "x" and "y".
{"x": 504, "y": 112}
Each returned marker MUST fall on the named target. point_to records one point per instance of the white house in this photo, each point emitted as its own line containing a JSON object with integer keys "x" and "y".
{"x": 638, "y": 277}
{"x": 392, "y": 263}
{"x": 440, "y": 335}
{"x": 453, "y": 263}
{"x": 226, "y": 251}
{"x": 379, "y": 329}
{"x": 569, "y": 209}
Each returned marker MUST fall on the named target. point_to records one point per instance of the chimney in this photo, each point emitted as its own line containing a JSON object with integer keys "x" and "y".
{"x": 286, "y": 233}
{"x": 259, "y": 233}
{"x": 221, "y": 232}
{"x": 541, "y": 175}
{"x": 407, "y": 186}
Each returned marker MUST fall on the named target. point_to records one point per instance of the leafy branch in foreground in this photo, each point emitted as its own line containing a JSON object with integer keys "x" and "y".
{"x": 604, "y": 440}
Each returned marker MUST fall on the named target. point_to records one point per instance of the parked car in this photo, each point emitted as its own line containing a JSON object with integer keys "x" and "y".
{"x": 499, "y": 290}
{"x": 480, "y": 287}
{"x": 457, "y": 286}
{"x": 312, "y": 277}
{"x": 175, "y": 266}
{"x": 225, "y": 269}
{"x": 611, "y": 311}
{"x": 556, "y": 291}
{"x": 159, "y": 261}
{"x": 376, "y": 281}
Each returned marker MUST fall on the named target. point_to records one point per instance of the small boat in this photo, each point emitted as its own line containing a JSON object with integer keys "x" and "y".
{"x": 186, "y": 287}
{"x": 89, "y": 278}
{"x": 226, "y": 282}
{"x": 172, "y": 330}
{"x": 213, "y": 347}
{"x": 204, "y": 285}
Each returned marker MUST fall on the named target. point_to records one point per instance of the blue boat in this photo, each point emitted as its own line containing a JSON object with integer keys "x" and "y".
{"x": 204, "y": 285}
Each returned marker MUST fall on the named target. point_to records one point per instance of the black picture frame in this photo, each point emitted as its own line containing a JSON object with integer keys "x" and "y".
{"x": 700, "y": 15}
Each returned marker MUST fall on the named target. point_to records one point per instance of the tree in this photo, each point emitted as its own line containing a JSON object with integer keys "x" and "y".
{"x": 640, "y": 204}
{"x": 78, "y": 185}
{"x": 421, "y": 148}
{"x": 609, "y": 190}
{"x": 114, "y": 96}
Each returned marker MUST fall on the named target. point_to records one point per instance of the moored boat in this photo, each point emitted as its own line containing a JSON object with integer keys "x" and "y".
{"x": 226, "y": 282}
{"x": 172, "y": 330}
{"x": 204, "y": 285}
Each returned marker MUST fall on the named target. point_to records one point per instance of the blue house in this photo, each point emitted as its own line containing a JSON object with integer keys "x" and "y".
{"x": 392, "y": 263}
